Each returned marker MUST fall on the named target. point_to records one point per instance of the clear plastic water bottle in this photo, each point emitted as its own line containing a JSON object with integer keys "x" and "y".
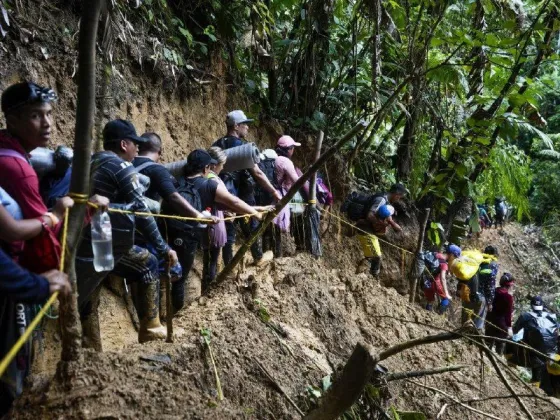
{"x": 207, "y": 215}
{"x": 102, "y": 242}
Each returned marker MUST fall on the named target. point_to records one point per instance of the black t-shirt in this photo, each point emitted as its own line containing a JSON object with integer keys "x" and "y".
{"x": 162, "y": 183}
{"x": 207, "y": 190}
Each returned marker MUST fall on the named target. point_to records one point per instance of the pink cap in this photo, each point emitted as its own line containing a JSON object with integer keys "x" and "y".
{"x": 287, "y": 141}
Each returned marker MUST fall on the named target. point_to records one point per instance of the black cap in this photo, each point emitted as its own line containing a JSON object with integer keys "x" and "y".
{"x": 200, "y": 158}
{"x": 118, "y": 130}
{"x": 537, "y": 303}
{"x": 25, "y": 93}
{"x": 398, "y": 189}
{"x": 491, "y": 250}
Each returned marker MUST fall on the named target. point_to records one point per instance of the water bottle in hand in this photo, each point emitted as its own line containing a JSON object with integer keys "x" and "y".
{"x": 102, "y": 242}
{"x": 207, "y": 215}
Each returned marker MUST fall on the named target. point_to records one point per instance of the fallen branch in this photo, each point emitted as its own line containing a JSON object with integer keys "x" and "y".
{"x": 503, "y": 378}
{"x": 206, "y": 338}
{"x": 358, "y": 372}
{"x": 418, "y": 373}
{"x": 456, "y": 401}
{"x": 279, "y": 387}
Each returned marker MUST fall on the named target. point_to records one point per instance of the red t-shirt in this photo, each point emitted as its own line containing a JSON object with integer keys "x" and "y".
{"x": 19, "y": 179}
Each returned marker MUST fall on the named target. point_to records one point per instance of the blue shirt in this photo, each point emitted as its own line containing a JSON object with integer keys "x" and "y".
{"x": 19, "y": 284}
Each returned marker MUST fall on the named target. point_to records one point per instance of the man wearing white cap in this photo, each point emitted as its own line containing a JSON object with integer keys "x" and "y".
{"x": 242, "y": 183}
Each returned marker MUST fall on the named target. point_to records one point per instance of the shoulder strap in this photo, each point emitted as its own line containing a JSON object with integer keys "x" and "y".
{"x": 12, "y": 153}
{"x": 145, "y": 165}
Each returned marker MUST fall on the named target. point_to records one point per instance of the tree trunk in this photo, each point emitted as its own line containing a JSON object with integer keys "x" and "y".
{"x": 79, "y": 185}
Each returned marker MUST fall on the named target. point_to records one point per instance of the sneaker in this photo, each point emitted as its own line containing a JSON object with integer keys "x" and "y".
{"x": 429, "y": 307}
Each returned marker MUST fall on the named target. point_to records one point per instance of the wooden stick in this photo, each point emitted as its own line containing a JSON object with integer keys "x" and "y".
{"x": 419, "y": 247}
{"x": 456, "y": 401}
{"x": 168, "y": 309}
{"x": 228, "y": 269}
{"x": 418, "y": 373}
{"x": 279, "y": 387}
{"x": 215, "y": 369}
{"x": 79, "y": 184}
{"x": 313, "y": 179}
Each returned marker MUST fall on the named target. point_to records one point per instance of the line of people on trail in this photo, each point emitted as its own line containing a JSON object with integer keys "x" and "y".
{"x": 489, "y": 304}
{"x": 144, "y": 248}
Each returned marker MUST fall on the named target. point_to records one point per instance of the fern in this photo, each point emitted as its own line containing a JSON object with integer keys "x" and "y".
{"x": 508, "y": 175}
{"x": 549, "y": 154}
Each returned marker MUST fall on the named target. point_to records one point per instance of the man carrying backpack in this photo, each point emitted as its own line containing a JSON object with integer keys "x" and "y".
{"x": 501, "y": 211}
{"x": 540, "y": 331}
{"x": 363, "y": 210}
{"x": 435, "y": 277}
{"x": 242, "y": 183}
{"x": 487, "y": 275}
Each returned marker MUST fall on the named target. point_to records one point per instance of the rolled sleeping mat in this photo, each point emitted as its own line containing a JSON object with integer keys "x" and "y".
{"x": 42, "y": 160}
{"x": 242, "y": 157}
{"x": 176, "y": 168}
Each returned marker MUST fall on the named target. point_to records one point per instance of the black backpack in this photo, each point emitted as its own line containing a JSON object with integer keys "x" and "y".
{"x": 188, "y": 190}
{"x": 268, "y": 166}
{"x": 356, "y": 206}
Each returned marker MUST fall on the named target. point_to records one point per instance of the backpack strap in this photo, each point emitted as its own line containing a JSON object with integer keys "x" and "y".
{"x": 12, "y": 153}
{"x": 145, "y": 165}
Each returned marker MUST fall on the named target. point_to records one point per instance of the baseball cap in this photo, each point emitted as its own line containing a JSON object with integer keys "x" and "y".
{"x": 118, "y": 130}
{"x": 537, "y": 303}
{"x": 200, "y": 158}
{"x": 287, "y": 141}
{"x": 25, "y": 93}
{"x": 385, "y": 211}
{"x": 453, "y": 250}
{"x": 237, "y": 117}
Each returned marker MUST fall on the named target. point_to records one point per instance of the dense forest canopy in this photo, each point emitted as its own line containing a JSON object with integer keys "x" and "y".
{"x": 460, "y": 96}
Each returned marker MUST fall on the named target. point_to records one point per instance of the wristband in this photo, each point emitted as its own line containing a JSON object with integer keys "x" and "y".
{"x": 54, "y": 220}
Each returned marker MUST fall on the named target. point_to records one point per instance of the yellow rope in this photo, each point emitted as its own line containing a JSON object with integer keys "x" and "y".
{"x": 42, "y": 312}
{"x": 171, "y": 216}
{"x": 366, "y": 233}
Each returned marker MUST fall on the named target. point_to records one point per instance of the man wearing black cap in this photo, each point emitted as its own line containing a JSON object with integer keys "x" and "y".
{"x": 114, "y": 176}
{"x": 540, "y": 331}
{"x": 242, "y": 183}
{"x": 185, "y": 236}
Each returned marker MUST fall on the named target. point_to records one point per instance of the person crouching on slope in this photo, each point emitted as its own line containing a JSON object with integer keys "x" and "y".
{"x": 377, "y": 224}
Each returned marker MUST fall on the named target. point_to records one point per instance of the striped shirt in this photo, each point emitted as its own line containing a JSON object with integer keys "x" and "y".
{"x": 117, "y": 180}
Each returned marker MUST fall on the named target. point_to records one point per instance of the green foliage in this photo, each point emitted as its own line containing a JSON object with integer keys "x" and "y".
{"x": 508, "y": 175}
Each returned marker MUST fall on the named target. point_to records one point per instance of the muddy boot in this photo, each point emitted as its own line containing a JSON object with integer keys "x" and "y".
{"x": 91, "y": 331}
{"x": 375, "y": 267}
{"x": 148, "y": 312}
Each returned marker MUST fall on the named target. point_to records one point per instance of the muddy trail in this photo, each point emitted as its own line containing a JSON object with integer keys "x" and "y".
{"x": 298, "y": 319}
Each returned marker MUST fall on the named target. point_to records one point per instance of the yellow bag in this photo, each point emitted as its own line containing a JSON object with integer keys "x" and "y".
{"x": 466, "y": 266}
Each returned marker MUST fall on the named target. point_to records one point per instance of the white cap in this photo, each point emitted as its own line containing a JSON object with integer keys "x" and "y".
{"x": 237, "y": 117}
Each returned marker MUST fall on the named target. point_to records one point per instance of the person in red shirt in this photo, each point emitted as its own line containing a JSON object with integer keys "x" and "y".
{"x": 28, "y": 111}
{"x": 436, "y": 284}
{"x": 498, "y": 321}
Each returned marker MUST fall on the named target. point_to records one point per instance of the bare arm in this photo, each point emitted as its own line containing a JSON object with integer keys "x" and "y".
{"x": 443, "y": 277}
{"x": 233, "y": 203}
{"x": 182, "y": 206}
{"x": 395, "y": 225}
{"x": 12, "y": 230}
{"x": 263, "y": 181}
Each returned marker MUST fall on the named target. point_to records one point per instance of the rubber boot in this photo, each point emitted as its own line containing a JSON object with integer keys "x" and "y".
{"x": 375, "y": 267}
{"x": 148, "y": 312}
{"x": 91, "y": 331}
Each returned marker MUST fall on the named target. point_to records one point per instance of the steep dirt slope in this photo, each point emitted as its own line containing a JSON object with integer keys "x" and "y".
{"x": 320, "y": 308}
